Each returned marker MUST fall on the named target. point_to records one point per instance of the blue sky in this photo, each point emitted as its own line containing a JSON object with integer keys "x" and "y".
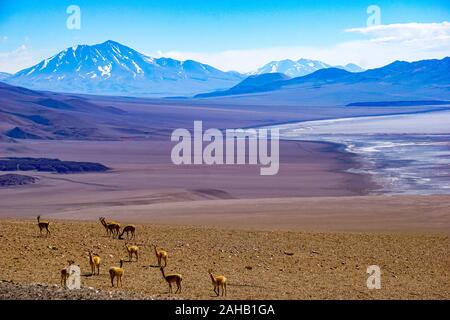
{"x": 206, "y": 29}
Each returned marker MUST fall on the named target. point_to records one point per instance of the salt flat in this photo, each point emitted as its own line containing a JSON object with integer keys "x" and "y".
{"x": 437, "y": 122}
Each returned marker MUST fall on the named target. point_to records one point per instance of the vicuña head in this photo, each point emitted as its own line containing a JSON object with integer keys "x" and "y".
{"x": 218, "y": 282}
{"x": 103, "y": 222}
{"x": 172, "y": 278}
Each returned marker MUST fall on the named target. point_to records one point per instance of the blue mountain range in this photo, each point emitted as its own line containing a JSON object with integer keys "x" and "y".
{"x": 400, "y": 80}
{"x": 110, "y": 68}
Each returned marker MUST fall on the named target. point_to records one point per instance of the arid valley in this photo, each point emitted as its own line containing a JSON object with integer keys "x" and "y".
{"x": 308, "y": 232}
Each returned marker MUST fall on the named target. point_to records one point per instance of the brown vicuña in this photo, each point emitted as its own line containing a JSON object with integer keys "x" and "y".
{"x": 116, "y": 272}
{"x": 218, "y": 282}
{"x": 128, "y": 229}
{"x": 94, "y": 261}
{"x": 65, "y": 273}
{"x": 43, "y": 225}
{"x": 112, "y": 227}
{"x": 131, "y": 250}
{"x": 103, "y": 222}
{"x": 161, "y": 255}
{"x": 172, "y": 278}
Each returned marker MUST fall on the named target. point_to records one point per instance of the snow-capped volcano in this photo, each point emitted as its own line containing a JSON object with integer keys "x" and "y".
{"x": 301, "y": 67}
{"x": 112, "y": 68}
{"x": 102, "y": 60}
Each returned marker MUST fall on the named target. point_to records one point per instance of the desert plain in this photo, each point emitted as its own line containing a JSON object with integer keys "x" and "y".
{"x": 309, "y": 232}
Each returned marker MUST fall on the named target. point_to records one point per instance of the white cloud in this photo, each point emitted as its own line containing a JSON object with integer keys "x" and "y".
{"x": 17, "y": 59}
{"x": 405, "y": 31}
{"x": 384, "y": 44}
{"x": 238, "y": 60}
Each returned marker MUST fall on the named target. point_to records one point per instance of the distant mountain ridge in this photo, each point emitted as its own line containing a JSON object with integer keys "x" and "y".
{"x": 110, "y": 68}
{"x": 301, "y": 67}
{"x": 114, "y": 69}
{"x": 257, "y": 82}
{"x": 421, "y": 80}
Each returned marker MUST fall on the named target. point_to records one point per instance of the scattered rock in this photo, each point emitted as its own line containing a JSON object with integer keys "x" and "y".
{"x": 16, "y": 180}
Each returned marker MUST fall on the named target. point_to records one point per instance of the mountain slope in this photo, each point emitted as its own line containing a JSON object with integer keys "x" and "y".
{"x": 421, "y": 80}
{"x": 253, "y": 83}
{"x": 4, "y": 75}
{"x": 351, "y": 67}
{"x": 111, "y": 68}
{"x": 29, "y": 114}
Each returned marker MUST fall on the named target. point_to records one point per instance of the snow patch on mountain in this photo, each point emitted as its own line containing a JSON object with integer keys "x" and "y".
{"x": 301, "y": 67}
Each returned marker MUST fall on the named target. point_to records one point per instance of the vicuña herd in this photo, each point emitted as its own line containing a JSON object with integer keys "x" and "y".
{"x": 112, "y": 228}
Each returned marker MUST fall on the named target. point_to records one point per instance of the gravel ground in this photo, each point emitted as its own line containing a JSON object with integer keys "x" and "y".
{"x": 257, "y": 264}
{"x": 39, "y": 291}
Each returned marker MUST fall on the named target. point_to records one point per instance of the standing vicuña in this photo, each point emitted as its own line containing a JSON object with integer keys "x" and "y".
{"x": 128, "y": 229}
{"x": 116, "y": 272}
{"x": 131, "y": 250}
{"x": 111, "y": 227}
{"x": 94, "y": 261}
{"x": 161, "y": 254}
{"x": 218, "y": 282}
{"x": 65, "y": 273}
{"x": 172, "y": 278}
{"x": 43, "y": 225}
